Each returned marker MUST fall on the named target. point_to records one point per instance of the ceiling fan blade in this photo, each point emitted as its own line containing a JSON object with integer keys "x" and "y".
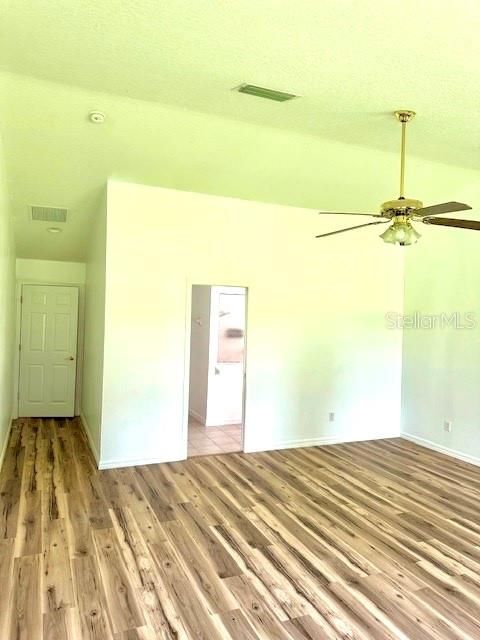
{"x": 351, "y": 213}
{"x": 445, "y": 207}
{"x": 358, "y": 226}
{"x": 453, "y": 222}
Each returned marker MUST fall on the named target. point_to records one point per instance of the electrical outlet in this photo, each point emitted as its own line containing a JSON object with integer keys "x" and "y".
{"x": 331, "y": 416}
{"x": 447, "y": 425}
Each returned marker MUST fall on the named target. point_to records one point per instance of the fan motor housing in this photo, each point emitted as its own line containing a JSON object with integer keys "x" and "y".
{"x": 401, "y": 206}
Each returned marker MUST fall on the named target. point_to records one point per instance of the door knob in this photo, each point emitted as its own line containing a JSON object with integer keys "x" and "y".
{"x": 71, "y": 358}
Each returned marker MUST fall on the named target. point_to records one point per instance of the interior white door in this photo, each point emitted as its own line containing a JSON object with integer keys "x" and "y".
{"x": 227, "y": 356}
{"x": 48, "y": 351}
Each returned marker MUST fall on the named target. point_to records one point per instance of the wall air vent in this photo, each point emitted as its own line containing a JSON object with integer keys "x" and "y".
{"x": 48, "y": 214}
{"x": 262, "y": 92}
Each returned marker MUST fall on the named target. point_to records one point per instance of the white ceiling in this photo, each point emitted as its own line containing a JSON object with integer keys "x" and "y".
{"x": 352, "y": 62}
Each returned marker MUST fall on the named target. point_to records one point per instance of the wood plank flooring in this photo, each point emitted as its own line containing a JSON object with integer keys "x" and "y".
{"x": 364, "y": 541}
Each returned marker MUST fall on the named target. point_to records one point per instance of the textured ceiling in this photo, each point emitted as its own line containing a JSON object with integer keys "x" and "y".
{"x": 352, "y": 62}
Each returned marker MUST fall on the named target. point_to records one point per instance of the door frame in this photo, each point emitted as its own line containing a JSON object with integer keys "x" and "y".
{"x": 80, "y": 339}
{"x": 186, "y": 371}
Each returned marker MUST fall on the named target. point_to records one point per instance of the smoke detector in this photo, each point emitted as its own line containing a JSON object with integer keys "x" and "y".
{"x": 97, "y": 117}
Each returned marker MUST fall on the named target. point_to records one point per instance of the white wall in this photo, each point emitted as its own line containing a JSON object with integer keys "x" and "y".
{"x": 92, "y": 390}
{"x": 50, "y": 271}
{"x": 441, "y": 366}
{"x": 7, "y": 311}
{"x": 317, "y": 340}
{"x": 30, "y": 271}
{"x": 199, "y": 349}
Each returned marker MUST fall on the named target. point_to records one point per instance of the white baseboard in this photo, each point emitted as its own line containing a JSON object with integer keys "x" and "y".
{"x": 115, "y": 464}
{"x": 429, "y": 444}
{"x": 197, "y": 416}
{"x": 227, "y": 423}
{"x": 316, "y": 442}
{"x": 92, "y": 444}
{"x": 5, "y": 445}
{"x": 286, "y": 444}
{"x": 203, "y": 420}
{"x": 135, "y": 462}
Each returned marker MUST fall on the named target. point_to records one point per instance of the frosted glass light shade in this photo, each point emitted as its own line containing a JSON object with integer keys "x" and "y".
{"x": 389, "y": 235}
{"x": 401, "y": 233}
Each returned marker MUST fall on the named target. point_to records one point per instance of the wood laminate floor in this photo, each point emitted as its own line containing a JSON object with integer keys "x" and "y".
{"x": 373, "y": 540}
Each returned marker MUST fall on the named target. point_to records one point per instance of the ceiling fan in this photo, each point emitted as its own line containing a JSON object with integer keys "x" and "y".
{"x": 403, "y": 211}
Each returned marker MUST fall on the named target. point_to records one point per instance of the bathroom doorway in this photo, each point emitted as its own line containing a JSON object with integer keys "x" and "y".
{"x": 217, "y": 370}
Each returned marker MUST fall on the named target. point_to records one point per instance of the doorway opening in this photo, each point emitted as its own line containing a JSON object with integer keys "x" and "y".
{"x": 217, "y": 370}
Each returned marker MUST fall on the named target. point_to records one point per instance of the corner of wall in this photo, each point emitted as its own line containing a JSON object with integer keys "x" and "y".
{"x": 91, "y": 441}
{"x": 441, "y": 358}
{"x": 405, "y": 257}
{"x": 94, "y": 343}
{"x": 7, "y": 306}
{"x": 4, "y": 446}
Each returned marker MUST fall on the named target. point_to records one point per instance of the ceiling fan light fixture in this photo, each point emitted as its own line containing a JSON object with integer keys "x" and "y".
{"x": 401, "y": 233}
{"x": 402, "y": 210}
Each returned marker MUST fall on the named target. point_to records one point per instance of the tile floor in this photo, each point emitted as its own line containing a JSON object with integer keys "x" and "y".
{"x": 207, "y": 440}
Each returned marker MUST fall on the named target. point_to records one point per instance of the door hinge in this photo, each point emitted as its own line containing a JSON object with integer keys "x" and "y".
{"x": 19, "y": 347}
{"x": 21, "y": 299}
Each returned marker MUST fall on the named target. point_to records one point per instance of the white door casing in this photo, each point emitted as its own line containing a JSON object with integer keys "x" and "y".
{"x": 48, "y": 351}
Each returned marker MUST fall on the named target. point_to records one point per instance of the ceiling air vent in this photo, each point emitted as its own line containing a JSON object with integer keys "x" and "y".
{"x": 48, "y": 214}
{"x": 262, "y": 92}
